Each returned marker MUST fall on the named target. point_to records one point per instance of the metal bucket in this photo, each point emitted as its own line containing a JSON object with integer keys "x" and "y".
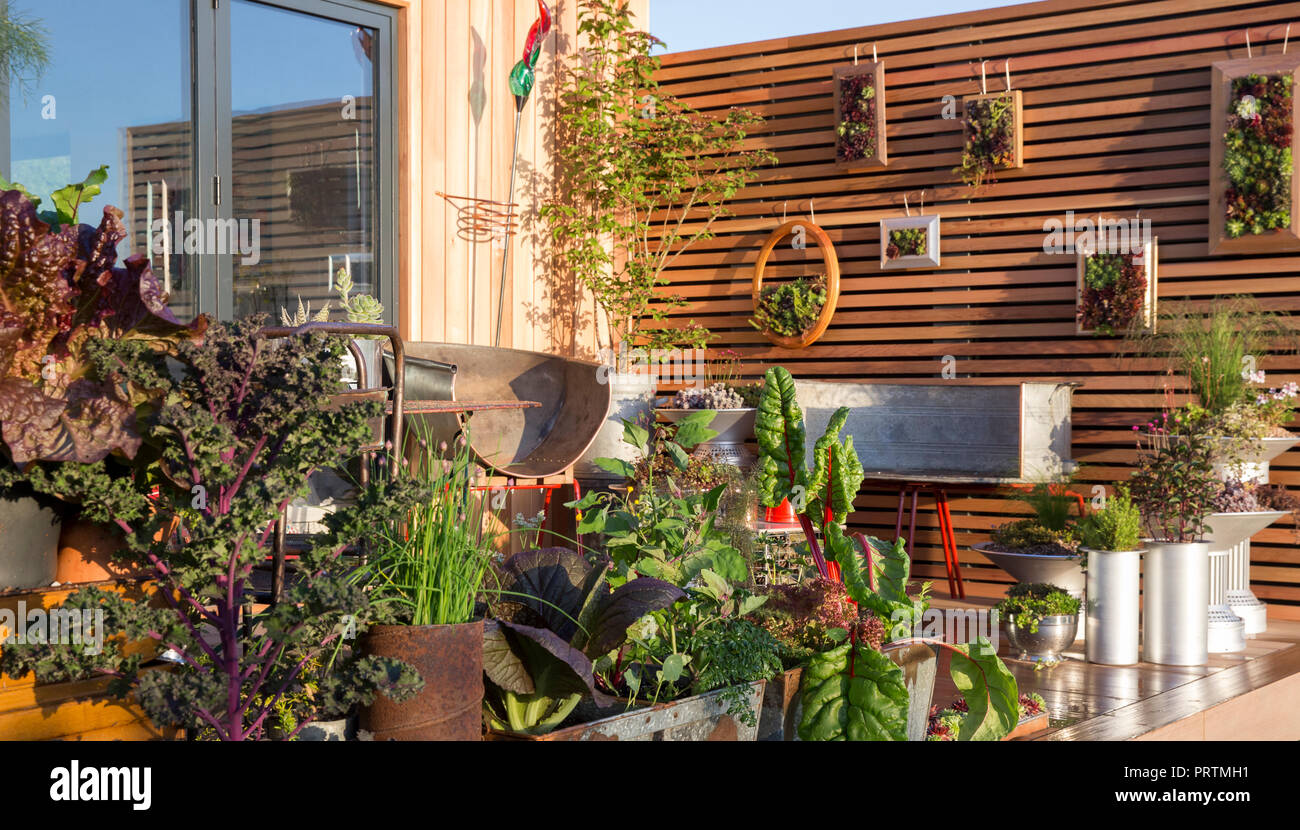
{"x": 1175, "y": 603}
{"x": 450, "y": 660}
{"x": 778, "y": 721}
{"x": 1114, "y": 580}
{"x": 29, "y": 543}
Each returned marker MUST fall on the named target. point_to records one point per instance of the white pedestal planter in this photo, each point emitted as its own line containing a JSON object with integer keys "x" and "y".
{"x": 1253, "y": 467}
{"x": 1113, "y": 606}
{"x": 1175, "y": 612}
{"x": 1229, "y": 540}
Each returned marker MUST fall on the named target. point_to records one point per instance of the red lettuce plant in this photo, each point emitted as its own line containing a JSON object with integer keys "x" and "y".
{"x": 61, "y": 289}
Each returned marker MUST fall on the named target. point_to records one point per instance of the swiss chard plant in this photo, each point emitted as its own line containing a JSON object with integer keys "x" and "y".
{"x": 61, "y": 292}
{"x": 242, "y": 424}
{"x": 854, "y": 691}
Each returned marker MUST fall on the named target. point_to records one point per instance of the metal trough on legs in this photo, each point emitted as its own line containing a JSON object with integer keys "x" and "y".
{"x": 521, "y": 443}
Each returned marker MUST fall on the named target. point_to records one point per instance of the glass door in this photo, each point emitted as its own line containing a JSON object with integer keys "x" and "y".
{"x": 304, "y": 150}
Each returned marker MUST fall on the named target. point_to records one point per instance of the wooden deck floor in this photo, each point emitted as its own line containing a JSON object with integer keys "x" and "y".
{"x": 1087, "y": 701}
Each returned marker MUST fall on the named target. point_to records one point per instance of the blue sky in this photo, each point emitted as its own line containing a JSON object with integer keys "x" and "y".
{"x": 698, "y": 24}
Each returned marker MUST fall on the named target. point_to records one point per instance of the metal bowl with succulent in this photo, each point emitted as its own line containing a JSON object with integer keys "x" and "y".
{"x": 1041, "y": 620}
{"x": 734, "y": 422}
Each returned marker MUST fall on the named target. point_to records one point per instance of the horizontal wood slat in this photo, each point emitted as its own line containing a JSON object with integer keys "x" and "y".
{"x": 1116, "y": 119}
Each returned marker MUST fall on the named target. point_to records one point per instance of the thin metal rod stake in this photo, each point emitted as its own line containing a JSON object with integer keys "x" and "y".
{"x": 510, "y": 207}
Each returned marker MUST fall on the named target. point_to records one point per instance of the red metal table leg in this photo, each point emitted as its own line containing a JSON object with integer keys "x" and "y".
{"x": 911, "y": 523}
{"x": 950, "y": 546}
{"x": 898, "y": 523}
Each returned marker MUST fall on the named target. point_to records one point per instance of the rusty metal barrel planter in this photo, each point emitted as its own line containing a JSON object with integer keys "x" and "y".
{"x": 450, "y": 706}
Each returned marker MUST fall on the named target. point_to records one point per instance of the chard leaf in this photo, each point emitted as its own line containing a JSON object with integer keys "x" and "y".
{"x": 853, "y": 694}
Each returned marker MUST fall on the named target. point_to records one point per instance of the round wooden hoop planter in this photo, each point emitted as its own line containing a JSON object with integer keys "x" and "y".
{"x": 832, "y": 262}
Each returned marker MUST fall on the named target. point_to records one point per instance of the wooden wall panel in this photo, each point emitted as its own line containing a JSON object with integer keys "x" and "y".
{"x": 457, "y": 128}
{"x": 1117, "y": 118}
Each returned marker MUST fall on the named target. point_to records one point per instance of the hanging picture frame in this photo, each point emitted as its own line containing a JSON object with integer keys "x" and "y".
{"x": 909, "y": 242}
{"x": 804, "y": 231}
{"x": 859, "y": 92}
{"x": 993, "y": 132}
{"x": 1116, "y": 288}
{"x": 1252, "y": 102}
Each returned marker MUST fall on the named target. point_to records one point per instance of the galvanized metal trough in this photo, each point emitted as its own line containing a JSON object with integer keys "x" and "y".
{"x": 949, "y": 433}
{"x": 697, "y": 718}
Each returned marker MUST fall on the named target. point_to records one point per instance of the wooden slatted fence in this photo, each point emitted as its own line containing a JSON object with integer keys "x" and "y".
{"x": 1116, "y": 120}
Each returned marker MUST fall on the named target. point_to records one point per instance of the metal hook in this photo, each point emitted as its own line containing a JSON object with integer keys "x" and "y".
{"x": 984, "y": 84}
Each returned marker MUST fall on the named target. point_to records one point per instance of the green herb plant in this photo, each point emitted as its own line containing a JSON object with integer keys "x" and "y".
{"x": 1117, "y": 526}
{"x": 1027, "y": 603}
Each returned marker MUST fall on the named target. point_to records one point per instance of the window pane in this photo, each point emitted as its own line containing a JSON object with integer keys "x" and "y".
{"x": 126, "y": 105}
{"x": 303, "y": 155}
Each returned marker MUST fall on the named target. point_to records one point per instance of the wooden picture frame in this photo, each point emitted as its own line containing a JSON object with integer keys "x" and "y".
{"x": 1018, "y": 119}
{"x": 1151, "y": 267}
{"x": 832, "y": 263}
{"x": 1222, "y": 74}
{"x": 876, "y": 69}
{"x": 929, "y": 259}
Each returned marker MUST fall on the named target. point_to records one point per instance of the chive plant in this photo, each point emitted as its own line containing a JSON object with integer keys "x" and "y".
{"x": 433, "y": 565}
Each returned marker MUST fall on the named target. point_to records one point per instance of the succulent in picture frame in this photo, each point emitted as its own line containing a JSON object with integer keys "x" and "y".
{"x": 791, "y": 308}
{"x": 991, "y": 126}
{"x": 1257, "y": 156}
{"x": 906, "y": 242}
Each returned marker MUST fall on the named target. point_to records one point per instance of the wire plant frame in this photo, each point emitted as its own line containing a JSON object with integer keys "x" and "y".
{"x": 482, "y": 220}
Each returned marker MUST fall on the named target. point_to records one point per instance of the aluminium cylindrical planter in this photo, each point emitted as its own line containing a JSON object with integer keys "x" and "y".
{"x": 1175, "y": 603}
{"x": 1113, "y": 606}
{"x": 29, "y": 543}
{"x": 449, "y": 658}
{"x": 631, "y": 399}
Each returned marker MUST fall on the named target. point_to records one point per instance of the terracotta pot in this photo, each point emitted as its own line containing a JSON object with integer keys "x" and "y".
{"x": 86, "y": 553}
{"x": 450, "y": 660}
